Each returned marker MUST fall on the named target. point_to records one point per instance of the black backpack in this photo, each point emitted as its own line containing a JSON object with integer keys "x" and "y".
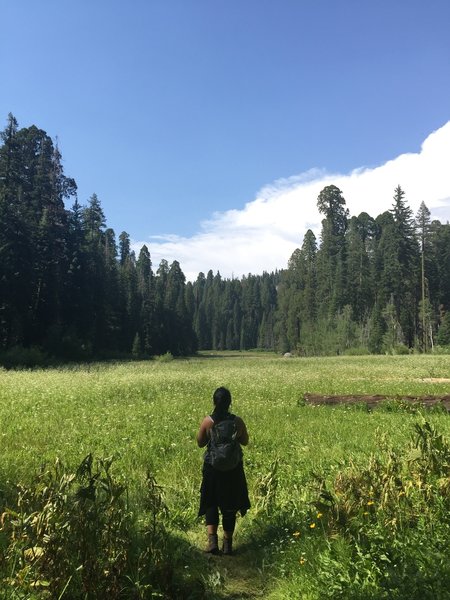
{"x": 224, "y": 450}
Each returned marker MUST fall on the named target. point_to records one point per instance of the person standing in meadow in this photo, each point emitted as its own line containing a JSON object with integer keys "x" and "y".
{"x": 224, "y": 487}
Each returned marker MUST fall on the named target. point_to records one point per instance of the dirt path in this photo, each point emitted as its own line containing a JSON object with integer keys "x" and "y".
{"x": 235, "y": 577}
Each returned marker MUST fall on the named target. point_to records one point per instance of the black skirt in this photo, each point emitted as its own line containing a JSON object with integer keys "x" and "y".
{"x": 225, "y": 489}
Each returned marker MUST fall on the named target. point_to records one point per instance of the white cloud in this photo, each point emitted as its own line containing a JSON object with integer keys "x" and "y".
{"x": 262, "y": 235}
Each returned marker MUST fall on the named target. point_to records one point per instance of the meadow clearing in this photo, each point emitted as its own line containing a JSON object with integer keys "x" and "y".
{"x": 346, "y": 503}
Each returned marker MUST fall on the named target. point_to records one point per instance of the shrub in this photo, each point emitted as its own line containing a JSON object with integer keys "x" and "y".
{"x": 443, "y": 336}
{"x": 441, "y": 350}
{"x": 392, "y": 516}
{"x": 357, "y": 351}
{"x": 400, "y": 349}
{"x": 20, "y": 357}
{"x": 163, "y": 358}
{"x": 266, "y": 491}
{"x": 72, "y": 534}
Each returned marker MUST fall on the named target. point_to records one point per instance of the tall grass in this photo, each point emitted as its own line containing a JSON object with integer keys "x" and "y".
{"x": 145, "y": 416}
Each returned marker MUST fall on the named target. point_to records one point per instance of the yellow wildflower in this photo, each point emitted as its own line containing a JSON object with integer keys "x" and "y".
{"x": 319, "y": 515}
{"x": 302, "y": 560}
{"x": 370, "y": 503}
{"x": 296, "y": 534}
{"x": 312, "y": 525}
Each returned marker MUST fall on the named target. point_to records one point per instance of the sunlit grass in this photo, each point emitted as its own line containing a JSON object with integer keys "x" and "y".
{"x": 146, "y": 415}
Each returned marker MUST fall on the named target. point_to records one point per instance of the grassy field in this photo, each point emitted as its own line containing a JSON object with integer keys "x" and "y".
{"x": 146, "y": 414}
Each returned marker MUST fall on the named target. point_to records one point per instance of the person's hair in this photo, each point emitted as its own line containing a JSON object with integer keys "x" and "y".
{"x": 222, "y": 400}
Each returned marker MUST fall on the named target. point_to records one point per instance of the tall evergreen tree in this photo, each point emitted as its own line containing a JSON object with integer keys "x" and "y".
{"x": 199, "y": 319}
{"x": 33, "y": 190}
{"x": 406, "y": 288}
{"x": 15, "y": 249}
{"x": 95, "y": 325}
{"x": 440, "y": 248}
{"x": 124, "y": 247}
{"x": 145, "y": 282}
{"x": 360, "y": 284}
{"x": 443, "y": 337}
{"x": 423, "y": 221}
{"x": 332, "y": 255}
{"x": 75, "y": 305}
{"x": 268, "y": 292}
{"x": 66, "y": 287}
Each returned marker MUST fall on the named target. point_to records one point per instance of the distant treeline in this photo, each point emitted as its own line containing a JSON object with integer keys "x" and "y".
{"x": 70, "y": 290}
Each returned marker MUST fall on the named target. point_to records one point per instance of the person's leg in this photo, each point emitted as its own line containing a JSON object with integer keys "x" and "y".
{"x": 212, "y": 522}
{"x": 228, "y": 524}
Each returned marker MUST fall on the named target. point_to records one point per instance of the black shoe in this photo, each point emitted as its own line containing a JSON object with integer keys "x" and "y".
{"x": 227, "y": 547}
{"x": 213, "y": 544}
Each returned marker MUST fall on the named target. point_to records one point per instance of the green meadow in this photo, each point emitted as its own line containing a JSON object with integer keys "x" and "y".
{"x": 345, "y": 501}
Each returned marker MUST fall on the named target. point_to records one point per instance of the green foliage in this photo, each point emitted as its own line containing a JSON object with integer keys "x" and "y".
{"x": 393, "y": 336}
{"x": 391, "y": 518}
{"x": 68, "y": 288}
{"x": 362, "y": 266}
{"x": 69, "y": 532}
{"x": 164, "y": 358}
{"x": 73, "y": 534}
{"x": 356, "y": 351}
{"x": 443, "y": 337}
{"x": 136, "y": 350}
{"x": 400, "y": 349}
{"x": 19, "y": 357}
{"x": 63, "y": 287}
{"x": 265, "y": 491}
{"x": 147, "y": 416}
{"x": 441, "y": 350}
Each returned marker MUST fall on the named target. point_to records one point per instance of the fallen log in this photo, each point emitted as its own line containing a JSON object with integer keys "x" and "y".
{"x": 373, "y": 400}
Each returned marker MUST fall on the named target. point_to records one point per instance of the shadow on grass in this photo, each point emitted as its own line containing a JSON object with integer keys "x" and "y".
{"x": 247, "y": 573}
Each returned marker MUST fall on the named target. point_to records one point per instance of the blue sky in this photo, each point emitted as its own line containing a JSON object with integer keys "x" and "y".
{"x": 188, "y": 117}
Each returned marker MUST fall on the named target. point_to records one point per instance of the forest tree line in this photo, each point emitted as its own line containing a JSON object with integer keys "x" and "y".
{"x": 71, "y": 290}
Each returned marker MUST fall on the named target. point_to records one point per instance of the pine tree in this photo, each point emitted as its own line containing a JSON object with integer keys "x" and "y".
{"x": 9, "y": 165}
{"x": 66, "y": 287}
{"x": 199, "y": 320}
{"x": 393, "y": 336}
{"x": 406, "y": 286}
{"x": 332, "y": 255}
{"x": 145, "y": 282}
{"x": 423, "y": 229}
{"x": 95, "y": 319}
{"x": 268, "y": 293}
{"x": 179, "y": 332}
{"x": 376, "y": 330}
{"x": 440, "y": 251}
{"x": 124, "y": 247}
{"x": 308, "y": 257}
{"x": 77, "y": 341}
{"x": 15, "y": 248}
{"x": 396, "y": 265}
{"x": 360, "y": 236}
{"x": 443, "y": 337}
{"x": 34, "y": 230}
